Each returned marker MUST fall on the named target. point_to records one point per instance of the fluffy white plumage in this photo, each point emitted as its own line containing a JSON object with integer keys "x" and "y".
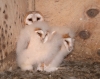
{"x": 66, "y": 48}
{"x": 32, "y": 50}
{"x": 39, "y": 44}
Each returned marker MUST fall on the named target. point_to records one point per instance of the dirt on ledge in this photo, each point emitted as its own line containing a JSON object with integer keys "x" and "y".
{"x": 68, "y": 70}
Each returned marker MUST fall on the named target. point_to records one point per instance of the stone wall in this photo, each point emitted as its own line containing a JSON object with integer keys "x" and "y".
{"x": 11, "y": 22}
{"x": 83, "y": 17}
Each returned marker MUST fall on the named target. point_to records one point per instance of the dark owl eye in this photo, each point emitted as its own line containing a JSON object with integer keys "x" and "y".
{"x": 46, "y": 34}
{"x": 67, "y": 42}
{"x": 38, "y": 18}
{"x": 30, "y": 19}
{"x": 39, "y": 34}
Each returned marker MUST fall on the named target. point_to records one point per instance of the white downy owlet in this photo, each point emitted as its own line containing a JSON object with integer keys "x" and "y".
{"x": 66, "y": 48}
{"x": 37, "y": 44}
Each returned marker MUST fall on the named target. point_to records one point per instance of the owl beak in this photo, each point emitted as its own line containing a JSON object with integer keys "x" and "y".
{"x": 45, "y": 39}
{"x": 70, "y": 48}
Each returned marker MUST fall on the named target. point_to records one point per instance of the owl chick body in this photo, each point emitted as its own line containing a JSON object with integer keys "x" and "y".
{"x": 27, "y": 35}
{"x": 38, "y": 44}
{"x": 35, "y": 48}
{"x": 66, "y": 48}
{"x": 32, "y": 20}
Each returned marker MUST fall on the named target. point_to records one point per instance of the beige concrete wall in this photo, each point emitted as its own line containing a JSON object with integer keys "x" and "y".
{"x": 31, "y": 5}
{"x": 11, "y": 22}
{"x": 73, "y": 14}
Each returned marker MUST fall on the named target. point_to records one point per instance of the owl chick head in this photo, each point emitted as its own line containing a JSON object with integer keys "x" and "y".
{"x": 68, "y": 42}
{"x": 32, "y": 17}
{"x": 44, "y": 35}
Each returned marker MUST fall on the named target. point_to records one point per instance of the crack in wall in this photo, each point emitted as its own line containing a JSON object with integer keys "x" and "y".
{"x": 34, "y": 6}
{"x": 31, "y": 5}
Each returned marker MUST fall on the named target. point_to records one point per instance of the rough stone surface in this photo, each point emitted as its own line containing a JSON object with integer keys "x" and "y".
{"x": 73, "y": 14}
{"x": 68, "y": 70}
{"x": 11, "y": 22}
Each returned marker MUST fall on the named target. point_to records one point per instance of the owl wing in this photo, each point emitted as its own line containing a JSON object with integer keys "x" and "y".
{"x": 23, "y": 41}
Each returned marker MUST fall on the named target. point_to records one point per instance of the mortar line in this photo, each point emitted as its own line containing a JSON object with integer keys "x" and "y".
{"x": 34, "y": 5}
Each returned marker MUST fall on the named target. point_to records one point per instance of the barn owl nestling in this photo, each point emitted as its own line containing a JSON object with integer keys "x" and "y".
{"x": 36, "y": 44}
{"x": 66, "y": 48}
{"x": 31, "y": 39}
{"x": 41, "y": 45}
{"x": 25, "y": 37}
